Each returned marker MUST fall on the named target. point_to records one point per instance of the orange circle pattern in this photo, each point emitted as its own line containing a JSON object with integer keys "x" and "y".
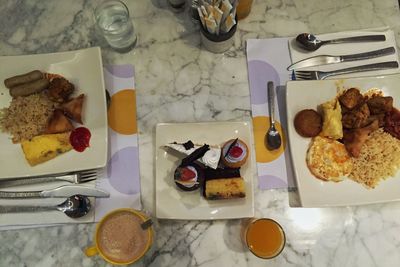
{"x": 260, "y": 127}
{"x": 122, "y": 112}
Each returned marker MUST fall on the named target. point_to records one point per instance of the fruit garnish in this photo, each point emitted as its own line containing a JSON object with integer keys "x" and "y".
{"x": 187, "y": 174}
{"x": 80, "y": 138}
{"x": 233, "y": 144}
{"x": 235, "y": 151}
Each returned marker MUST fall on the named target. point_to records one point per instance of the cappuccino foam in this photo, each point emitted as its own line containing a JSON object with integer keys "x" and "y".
{"x": 121, "y": 238}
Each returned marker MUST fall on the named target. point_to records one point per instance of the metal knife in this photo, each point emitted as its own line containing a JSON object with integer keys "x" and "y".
{"x": 62, "y": 191}
{"x": 328, "y": 59}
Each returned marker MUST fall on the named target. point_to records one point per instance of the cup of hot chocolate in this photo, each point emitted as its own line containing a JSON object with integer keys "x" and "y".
{"x": 122, "y": 237}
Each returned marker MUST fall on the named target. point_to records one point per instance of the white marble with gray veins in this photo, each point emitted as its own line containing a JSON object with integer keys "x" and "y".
{"x": 177, "y": 81}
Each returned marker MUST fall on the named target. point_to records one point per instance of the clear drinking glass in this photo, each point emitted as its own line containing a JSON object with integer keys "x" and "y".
{"x": 112, "y": 19}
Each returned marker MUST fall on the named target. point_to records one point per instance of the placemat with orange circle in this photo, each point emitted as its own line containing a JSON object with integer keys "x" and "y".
{"x": 122, "y": 176}
{"x": 267, "y": 60}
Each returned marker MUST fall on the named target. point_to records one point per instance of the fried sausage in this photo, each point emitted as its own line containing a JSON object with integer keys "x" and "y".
{"x": 23, "y": 78}
{"x": 29, "y": 88}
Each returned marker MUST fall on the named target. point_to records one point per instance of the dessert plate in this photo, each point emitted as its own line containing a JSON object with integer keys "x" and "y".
{"x": 171, "y": 203}
{"x": 84, "y": 69}
{"x": 314, "y": 192}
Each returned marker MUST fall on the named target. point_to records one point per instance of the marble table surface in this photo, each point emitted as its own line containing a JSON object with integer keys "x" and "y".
{"x": 174, "y": 74}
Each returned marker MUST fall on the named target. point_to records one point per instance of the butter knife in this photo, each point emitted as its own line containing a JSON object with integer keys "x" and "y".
{"x": 61, "y": 191}
{"x": 329, "y": 59}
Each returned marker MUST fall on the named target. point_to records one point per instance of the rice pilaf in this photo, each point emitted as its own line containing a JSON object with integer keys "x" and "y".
{"x": 26, "y": 116}
{"x": 379, "y": 159}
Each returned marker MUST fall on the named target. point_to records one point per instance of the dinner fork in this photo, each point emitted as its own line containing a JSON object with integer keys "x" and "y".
{"x": 76, "y": 178}
{"x": 321, "y": 75}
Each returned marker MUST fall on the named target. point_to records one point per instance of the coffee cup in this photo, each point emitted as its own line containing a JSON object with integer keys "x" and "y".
{"x": 121, "y": 237}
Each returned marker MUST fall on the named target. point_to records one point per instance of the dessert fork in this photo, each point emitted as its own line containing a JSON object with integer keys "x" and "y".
{"x": 76, "y": 178}
{"x": 321, "y": 75}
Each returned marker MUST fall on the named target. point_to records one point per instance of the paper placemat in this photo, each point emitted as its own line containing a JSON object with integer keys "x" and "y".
{"x": 121, "y": 177}
{"x": 267, "y": 60}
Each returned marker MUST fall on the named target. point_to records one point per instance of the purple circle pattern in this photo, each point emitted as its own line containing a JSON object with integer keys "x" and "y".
{"x": 121, "y": 71}
{"x": 260, "y": 73}
{"x": 270, "y": 182}
{"x": 123, "y": 171}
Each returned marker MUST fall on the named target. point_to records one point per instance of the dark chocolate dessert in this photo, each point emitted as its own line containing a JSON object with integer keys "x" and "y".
{"x": 189, "y": 174}
{"x": 189, "y": 177}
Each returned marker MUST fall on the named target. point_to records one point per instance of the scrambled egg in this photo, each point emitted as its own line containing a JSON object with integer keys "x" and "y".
{"x": 332, "y": 120}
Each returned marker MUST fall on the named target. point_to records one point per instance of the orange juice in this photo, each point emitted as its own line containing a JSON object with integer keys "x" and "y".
{"x": 265, "y": 238}
{"x": 243, "y": 8}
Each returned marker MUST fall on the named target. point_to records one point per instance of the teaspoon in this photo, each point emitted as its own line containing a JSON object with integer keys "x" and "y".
{"x": 310, "y": 42}
{"x": 75, "y": 207}
{"x": 272, "y": 138}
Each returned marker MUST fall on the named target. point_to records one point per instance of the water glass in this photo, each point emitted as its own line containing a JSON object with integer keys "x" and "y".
{"x": 112, "y": 19}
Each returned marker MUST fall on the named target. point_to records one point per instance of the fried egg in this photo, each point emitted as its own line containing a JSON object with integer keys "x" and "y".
{"x": 328, "y": 159}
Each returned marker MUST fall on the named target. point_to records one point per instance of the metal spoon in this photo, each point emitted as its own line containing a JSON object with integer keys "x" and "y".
{"x": 272, "y": 138}
{"x": 310, "y": 42}
{"x": 75, "y": 207}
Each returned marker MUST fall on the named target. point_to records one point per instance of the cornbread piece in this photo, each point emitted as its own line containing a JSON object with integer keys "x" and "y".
{"x": 308, "y": 123}
{"x": 379, "y": 159}
{"x": 45, "y": 147}
{"x": 332, "y": 120}
{"x": 328, "y": 159}
{"x": 225, "y": 188}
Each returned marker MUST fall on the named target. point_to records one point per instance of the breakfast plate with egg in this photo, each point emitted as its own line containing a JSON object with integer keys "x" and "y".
{"x": 24, "y": 79}
{"x": 344, "y": 138}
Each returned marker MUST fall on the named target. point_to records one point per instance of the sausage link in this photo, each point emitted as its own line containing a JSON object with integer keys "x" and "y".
{"x": 23, "y": 78}
{"x": 29, "y": 88}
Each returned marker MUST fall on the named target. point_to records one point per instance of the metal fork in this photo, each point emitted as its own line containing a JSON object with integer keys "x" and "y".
{"x": 321, "y": 75}
{"x": 76, "y": 178}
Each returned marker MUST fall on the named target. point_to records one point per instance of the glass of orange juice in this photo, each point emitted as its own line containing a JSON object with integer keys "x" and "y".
{"x": 243, "y": 8}
{"x": 264, "y": 237}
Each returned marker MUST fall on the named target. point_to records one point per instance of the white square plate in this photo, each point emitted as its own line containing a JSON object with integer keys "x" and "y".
{"x": 172, "y": 203}
{"x": 314, "y": 192}
{"x": 84, "y": 69}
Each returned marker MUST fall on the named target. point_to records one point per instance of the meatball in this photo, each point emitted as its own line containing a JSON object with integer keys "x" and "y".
{"x": 308, "y": 123}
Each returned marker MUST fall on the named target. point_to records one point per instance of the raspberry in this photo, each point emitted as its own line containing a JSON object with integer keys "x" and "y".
{"x": 235, "y": 152}
{"x": 187, "y": 174}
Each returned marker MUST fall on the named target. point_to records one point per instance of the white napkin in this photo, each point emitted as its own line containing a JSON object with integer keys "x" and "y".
{"x": 298, "y": 54}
